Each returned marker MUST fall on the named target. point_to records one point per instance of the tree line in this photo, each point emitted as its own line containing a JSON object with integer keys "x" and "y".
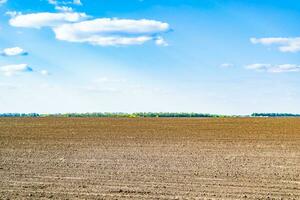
{"x": 274, "y": 115}
{"x": 107, "y": 114}
{"x": 145, "y": 114}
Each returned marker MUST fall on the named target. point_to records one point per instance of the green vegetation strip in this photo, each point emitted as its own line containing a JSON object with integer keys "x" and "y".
{"x": 145, "y": 114}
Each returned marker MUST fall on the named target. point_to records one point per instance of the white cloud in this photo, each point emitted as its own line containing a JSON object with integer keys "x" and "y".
{"x": 14, "y": 51}
{"x": 284, "y": 44}
{"x": 226, "y": 65}
{"x": 70, "y": 26}
{"x": 64, "y": 8}
{"x": 10, "y": 70}
{"x": 3, "y": 1}
{"x": 44, "y": 72}
{"x": 274, "y": 68}
{"x": 45, "y": 19}
{"x": 108, "y": 32}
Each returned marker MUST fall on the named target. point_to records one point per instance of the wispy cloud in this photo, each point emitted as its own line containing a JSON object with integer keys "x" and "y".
{"x": 226, "y": 65}
{"x": 161, "y": 41}
{"x": 109, "y": 80}
{"x": 77, "y": 2}
{"x": 9, "y": 70}
{"x": 14, "y": 51}
{"x": 44, "y": 73}
{"x": 120, "y": 86}
{"x": 45, "y": 19}
{"x": 12, "y": 13}
{"x": 56, "y": 2}
{"x": 284, "y": 44}
{"x": 53, "y": 2}
{"x": 3, "y": 1}
{"x": 274, "y": 68}
{"x": 64, "y": 8}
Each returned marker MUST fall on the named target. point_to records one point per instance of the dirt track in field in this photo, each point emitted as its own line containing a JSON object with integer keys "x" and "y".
{"x": 101, "y": 158}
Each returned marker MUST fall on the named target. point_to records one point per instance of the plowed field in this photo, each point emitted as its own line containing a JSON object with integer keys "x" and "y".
{"x": 150, "y": 158}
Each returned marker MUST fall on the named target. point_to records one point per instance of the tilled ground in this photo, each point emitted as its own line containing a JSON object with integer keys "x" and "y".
{"x": 152, "y": 158}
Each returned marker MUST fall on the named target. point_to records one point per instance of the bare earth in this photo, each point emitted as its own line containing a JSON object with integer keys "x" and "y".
{"x": 101, "y": 158}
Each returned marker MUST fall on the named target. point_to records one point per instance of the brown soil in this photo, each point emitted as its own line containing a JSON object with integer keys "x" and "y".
{"x": 152, "y": 158}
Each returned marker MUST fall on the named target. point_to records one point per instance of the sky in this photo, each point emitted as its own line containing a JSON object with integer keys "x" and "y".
{"x": 205, "y": 56}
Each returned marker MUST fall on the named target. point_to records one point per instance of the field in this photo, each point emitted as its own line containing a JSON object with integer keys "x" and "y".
{"x": 150, "y": 158}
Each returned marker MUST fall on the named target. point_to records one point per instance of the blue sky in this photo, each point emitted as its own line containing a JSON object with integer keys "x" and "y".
{"x": 227, "y": 57}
